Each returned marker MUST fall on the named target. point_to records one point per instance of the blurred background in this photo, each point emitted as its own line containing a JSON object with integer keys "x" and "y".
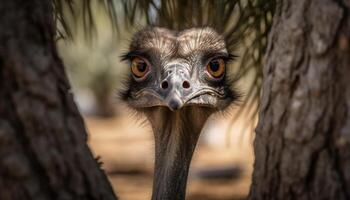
{"x": 222, "y": 164}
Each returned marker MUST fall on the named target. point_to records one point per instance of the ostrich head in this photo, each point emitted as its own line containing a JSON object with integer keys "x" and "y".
{"x": 177, "y": 79}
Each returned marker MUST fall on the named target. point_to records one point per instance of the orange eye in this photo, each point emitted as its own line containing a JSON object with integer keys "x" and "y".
{"x": 139, "y": 67}
{"x": 216, "y": 68}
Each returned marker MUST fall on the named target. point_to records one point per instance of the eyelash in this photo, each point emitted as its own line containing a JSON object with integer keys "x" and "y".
{"x": 226, "y": 57}
{"x": 132, "y": 54}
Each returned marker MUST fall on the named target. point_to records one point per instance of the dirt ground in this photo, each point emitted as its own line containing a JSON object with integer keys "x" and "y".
{"x": 126, "y": 149}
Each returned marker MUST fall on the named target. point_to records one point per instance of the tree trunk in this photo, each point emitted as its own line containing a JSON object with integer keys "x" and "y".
{"x": 43, "y": 150}
{"x": 302, "y": 143}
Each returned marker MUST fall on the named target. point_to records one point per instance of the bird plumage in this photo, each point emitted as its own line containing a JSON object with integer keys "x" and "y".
{"x": 177, "y": 79}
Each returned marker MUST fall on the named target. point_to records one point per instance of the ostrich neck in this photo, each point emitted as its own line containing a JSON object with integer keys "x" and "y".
{"x": 176, "y": 134}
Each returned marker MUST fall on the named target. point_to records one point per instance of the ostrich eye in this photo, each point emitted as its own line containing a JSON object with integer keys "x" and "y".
{"x": 216, "y": 68}
{"x": 139, "y": 67}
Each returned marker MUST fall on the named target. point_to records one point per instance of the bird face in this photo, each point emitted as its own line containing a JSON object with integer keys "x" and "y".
{"x": 177, "y": 69}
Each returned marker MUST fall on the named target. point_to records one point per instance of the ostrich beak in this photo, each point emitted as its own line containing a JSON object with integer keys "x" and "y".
{"x": 177, "y": 89}
{"x": 176, "y": 86}
{"x": 174, "y": 101}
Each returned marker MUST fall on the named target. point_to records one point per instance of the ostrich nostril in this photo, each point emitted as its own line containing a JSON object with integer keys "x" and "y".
{"x": 164, "y": 85}
{"x": 186, "y": 84}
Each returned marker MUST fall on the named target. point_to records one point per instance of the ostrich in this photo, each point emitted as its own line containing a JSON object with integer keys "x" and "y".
{"x": 177, "y": 80}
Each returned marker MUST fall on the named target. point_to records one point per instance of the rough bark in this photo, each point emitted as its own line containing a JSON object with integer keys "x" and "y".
{"x": 302, "y": 144}
{"x": 43, "y": 150}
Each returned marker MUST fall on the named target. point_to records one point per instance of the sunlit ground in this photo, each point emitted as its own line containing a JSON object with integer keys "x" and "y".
{"x": 126, "y": 149}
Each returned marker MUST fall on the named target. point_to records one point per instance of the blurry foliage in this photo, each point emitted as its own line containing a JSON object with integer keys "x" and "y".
{"x": 91, "y": 55}
{"x": 244, "y": 23}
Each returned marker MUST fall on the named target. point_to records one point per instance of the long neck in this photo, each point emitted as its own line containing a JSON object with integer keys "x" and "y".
{"x": 176, "y": 134}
